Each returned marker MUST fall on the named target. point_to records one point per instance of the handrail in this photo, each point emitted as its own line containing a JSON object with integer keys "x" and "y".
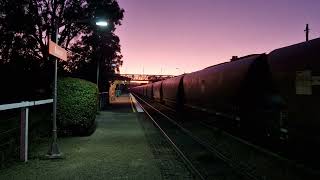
{"x": 24, "y": 106}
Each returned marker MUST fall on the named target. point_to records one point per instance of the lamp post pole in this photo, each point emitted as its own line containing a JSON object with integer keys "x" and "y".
{"x": 54, "y": 152}
{"x": 101, "y": 23}
{"x": 98, "y": 69}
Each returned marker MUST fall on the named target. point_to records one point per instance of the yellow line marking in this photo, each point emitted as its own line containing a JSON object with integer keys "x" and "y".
{"x": 132, "y": 105}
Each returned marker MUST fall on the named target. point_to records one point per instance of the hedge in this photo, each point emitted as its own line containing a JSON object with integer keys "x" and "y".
{"x": 76, "y": 106}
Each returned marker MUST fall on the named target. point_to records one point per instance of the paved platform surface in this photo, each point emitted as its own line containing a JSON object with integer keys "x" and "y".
{"x": 118, "y": 149}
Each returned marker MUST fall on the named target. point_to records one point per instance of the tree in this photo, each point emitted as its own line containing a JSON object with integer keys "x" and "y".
{"x": 102, "y": 48}
{"x": 26, "y": 24}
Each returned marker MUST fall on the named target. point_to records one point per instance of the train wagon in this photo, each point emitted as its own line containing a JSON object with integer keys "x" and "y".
{"x": 144, "y": 90}
{"x": 138, "y": 90}
{"x": 296, "y": 76}
{"x": 172, "y": 90}
{"x": 133, "y": 89}
{"x": 157, "y": 91}
{"x": 236, "y": 90}
{"x": 149, "y": 91}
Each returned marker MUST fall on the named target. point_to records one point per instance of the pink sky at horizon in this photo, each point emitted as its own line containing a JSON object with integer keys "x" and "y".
{"x": 174, "y": 36}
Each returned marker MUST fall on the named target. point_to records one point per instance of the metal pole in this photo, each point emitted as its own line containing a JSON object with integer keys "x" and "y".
{"x": 99, "y": 98}
{"x": 98, "y": 68}
{"x": 54, "y": 152}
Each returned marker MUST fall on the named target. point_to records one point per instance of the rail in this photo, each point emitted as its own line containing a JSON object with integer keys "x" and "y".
{"x": 175, "y": 147}
{"x": 250, "y": 160}
{"x": 24, "y": 121}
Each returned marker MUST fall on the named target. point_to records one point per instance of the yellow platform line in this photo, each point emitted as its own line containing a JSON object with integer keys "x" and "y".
{"x": 132, "y": 105}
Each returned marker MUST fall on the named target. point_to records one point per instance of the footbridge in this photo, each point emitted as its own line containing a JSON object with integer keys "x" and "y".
{"x": 146, "y": 77}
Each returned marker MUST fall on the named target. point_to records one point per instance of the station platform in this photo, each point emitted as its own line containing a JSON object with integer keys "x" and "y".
{"x": 118, "y": 149}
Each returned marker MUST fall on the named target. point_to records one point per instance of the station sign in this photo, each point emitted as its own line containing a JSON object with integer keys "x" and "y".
{"x": 57, "y": 51}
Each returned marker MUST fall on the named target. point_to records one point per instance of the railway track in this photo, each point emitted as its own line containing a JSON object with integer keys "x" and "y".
{"x": 200, "y": 157}
{"x": 214, "y": 154}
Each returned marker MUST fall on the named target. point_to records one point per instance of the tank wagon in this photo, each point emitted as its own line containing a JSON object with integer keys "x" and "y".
{"x": 138, "y": 90}
{"x": 149, "y": 91}
{"x": 157, "y": 91}
{"x": 296, "y": 77}
{"x": 172, "y": 91}
{"x": 235, "y": 90}
{"x": 275, "y": 95}
{"x": 134, "y": 90}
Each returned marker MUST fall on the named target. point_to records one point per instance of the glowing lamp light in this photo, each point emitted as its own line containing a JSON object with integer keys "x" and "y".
{"x": 102, "y": 23}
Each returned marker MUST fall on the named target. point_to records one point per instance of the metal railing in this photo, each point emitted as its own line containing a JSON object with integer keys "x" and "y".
{"x": 24, "y": 122}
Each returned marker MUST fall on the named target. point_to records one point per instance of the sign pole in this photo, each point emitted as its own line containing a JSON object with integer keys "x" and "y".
{"x": 54, "y": 152}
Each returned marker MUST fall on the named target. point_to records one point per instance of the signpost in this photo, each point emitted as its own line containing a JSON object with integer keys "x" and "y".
{"x": 58, "y": 52}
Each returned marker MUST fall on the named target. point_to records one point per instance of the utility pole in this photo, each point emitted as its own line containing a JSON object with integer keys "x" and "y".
{"x": 307, "y": 30}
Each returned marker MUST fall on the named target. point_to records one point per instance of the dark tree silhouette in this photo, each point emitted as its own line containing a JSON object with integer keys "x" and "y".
{"x": 100, "y": 48}
{"x": 24, "y": 29}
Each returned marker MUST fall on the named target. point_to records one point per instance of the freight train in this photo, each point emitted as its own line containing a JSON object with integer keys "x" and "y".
{"x": 275, "y": 95}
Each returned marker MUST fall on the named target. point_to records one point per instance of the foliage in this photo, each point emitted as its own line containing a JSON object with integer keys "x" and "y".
{"x": 25, "y": 26}
{"x": 77, "y": 105}
{"x": 84, "y": 60}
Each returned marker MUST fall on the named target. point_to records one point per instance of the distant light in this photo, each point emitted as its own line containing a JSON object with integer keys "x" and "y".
{"x": 144, "y": 82}
{"x": 102, "y": 23}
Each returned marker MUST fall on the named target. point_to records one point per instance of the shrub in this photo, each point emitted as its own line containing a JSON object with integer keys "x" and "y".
{"x": 76, "y": 106}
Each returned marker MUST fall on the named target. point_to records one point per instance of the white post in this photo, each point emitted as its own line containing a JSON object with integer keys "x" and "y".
{"x": 24, "y": 134}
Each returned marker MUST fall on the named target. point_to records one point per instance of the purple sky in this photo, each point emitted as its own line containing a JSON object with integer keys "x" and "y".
{"x": 177, "y": 36}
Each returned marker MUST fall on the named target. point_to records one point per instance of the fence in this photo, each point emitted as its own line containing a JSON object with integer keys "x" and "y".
{"x": 24, "y": 120}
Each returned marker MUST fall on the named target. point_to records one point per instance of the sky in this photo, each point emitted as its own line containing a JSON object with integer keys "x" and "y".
{"x": 182, "y": 36}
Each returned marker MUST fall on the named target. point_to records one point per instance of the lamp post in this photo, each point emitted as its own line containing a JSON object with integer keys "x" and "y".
{"x": 102, "y": 23}
{"x": 98, "y": 69}
{"x": 54, "y": 152}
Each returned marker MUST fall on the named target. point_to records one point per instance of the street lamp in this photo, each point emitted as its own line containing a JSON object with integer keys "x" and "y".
{"x": 54, "y": 152}
{"x": 102, "y": 23}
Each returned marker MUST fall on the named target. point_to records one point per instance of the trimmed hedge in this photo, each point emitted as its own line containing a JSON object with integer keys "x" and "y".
{"x": 76, "y": 106}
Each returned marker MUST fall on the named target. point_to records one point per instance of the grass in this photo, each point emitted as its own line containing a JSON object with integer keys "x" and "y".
{"x": 117, "y": 150}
